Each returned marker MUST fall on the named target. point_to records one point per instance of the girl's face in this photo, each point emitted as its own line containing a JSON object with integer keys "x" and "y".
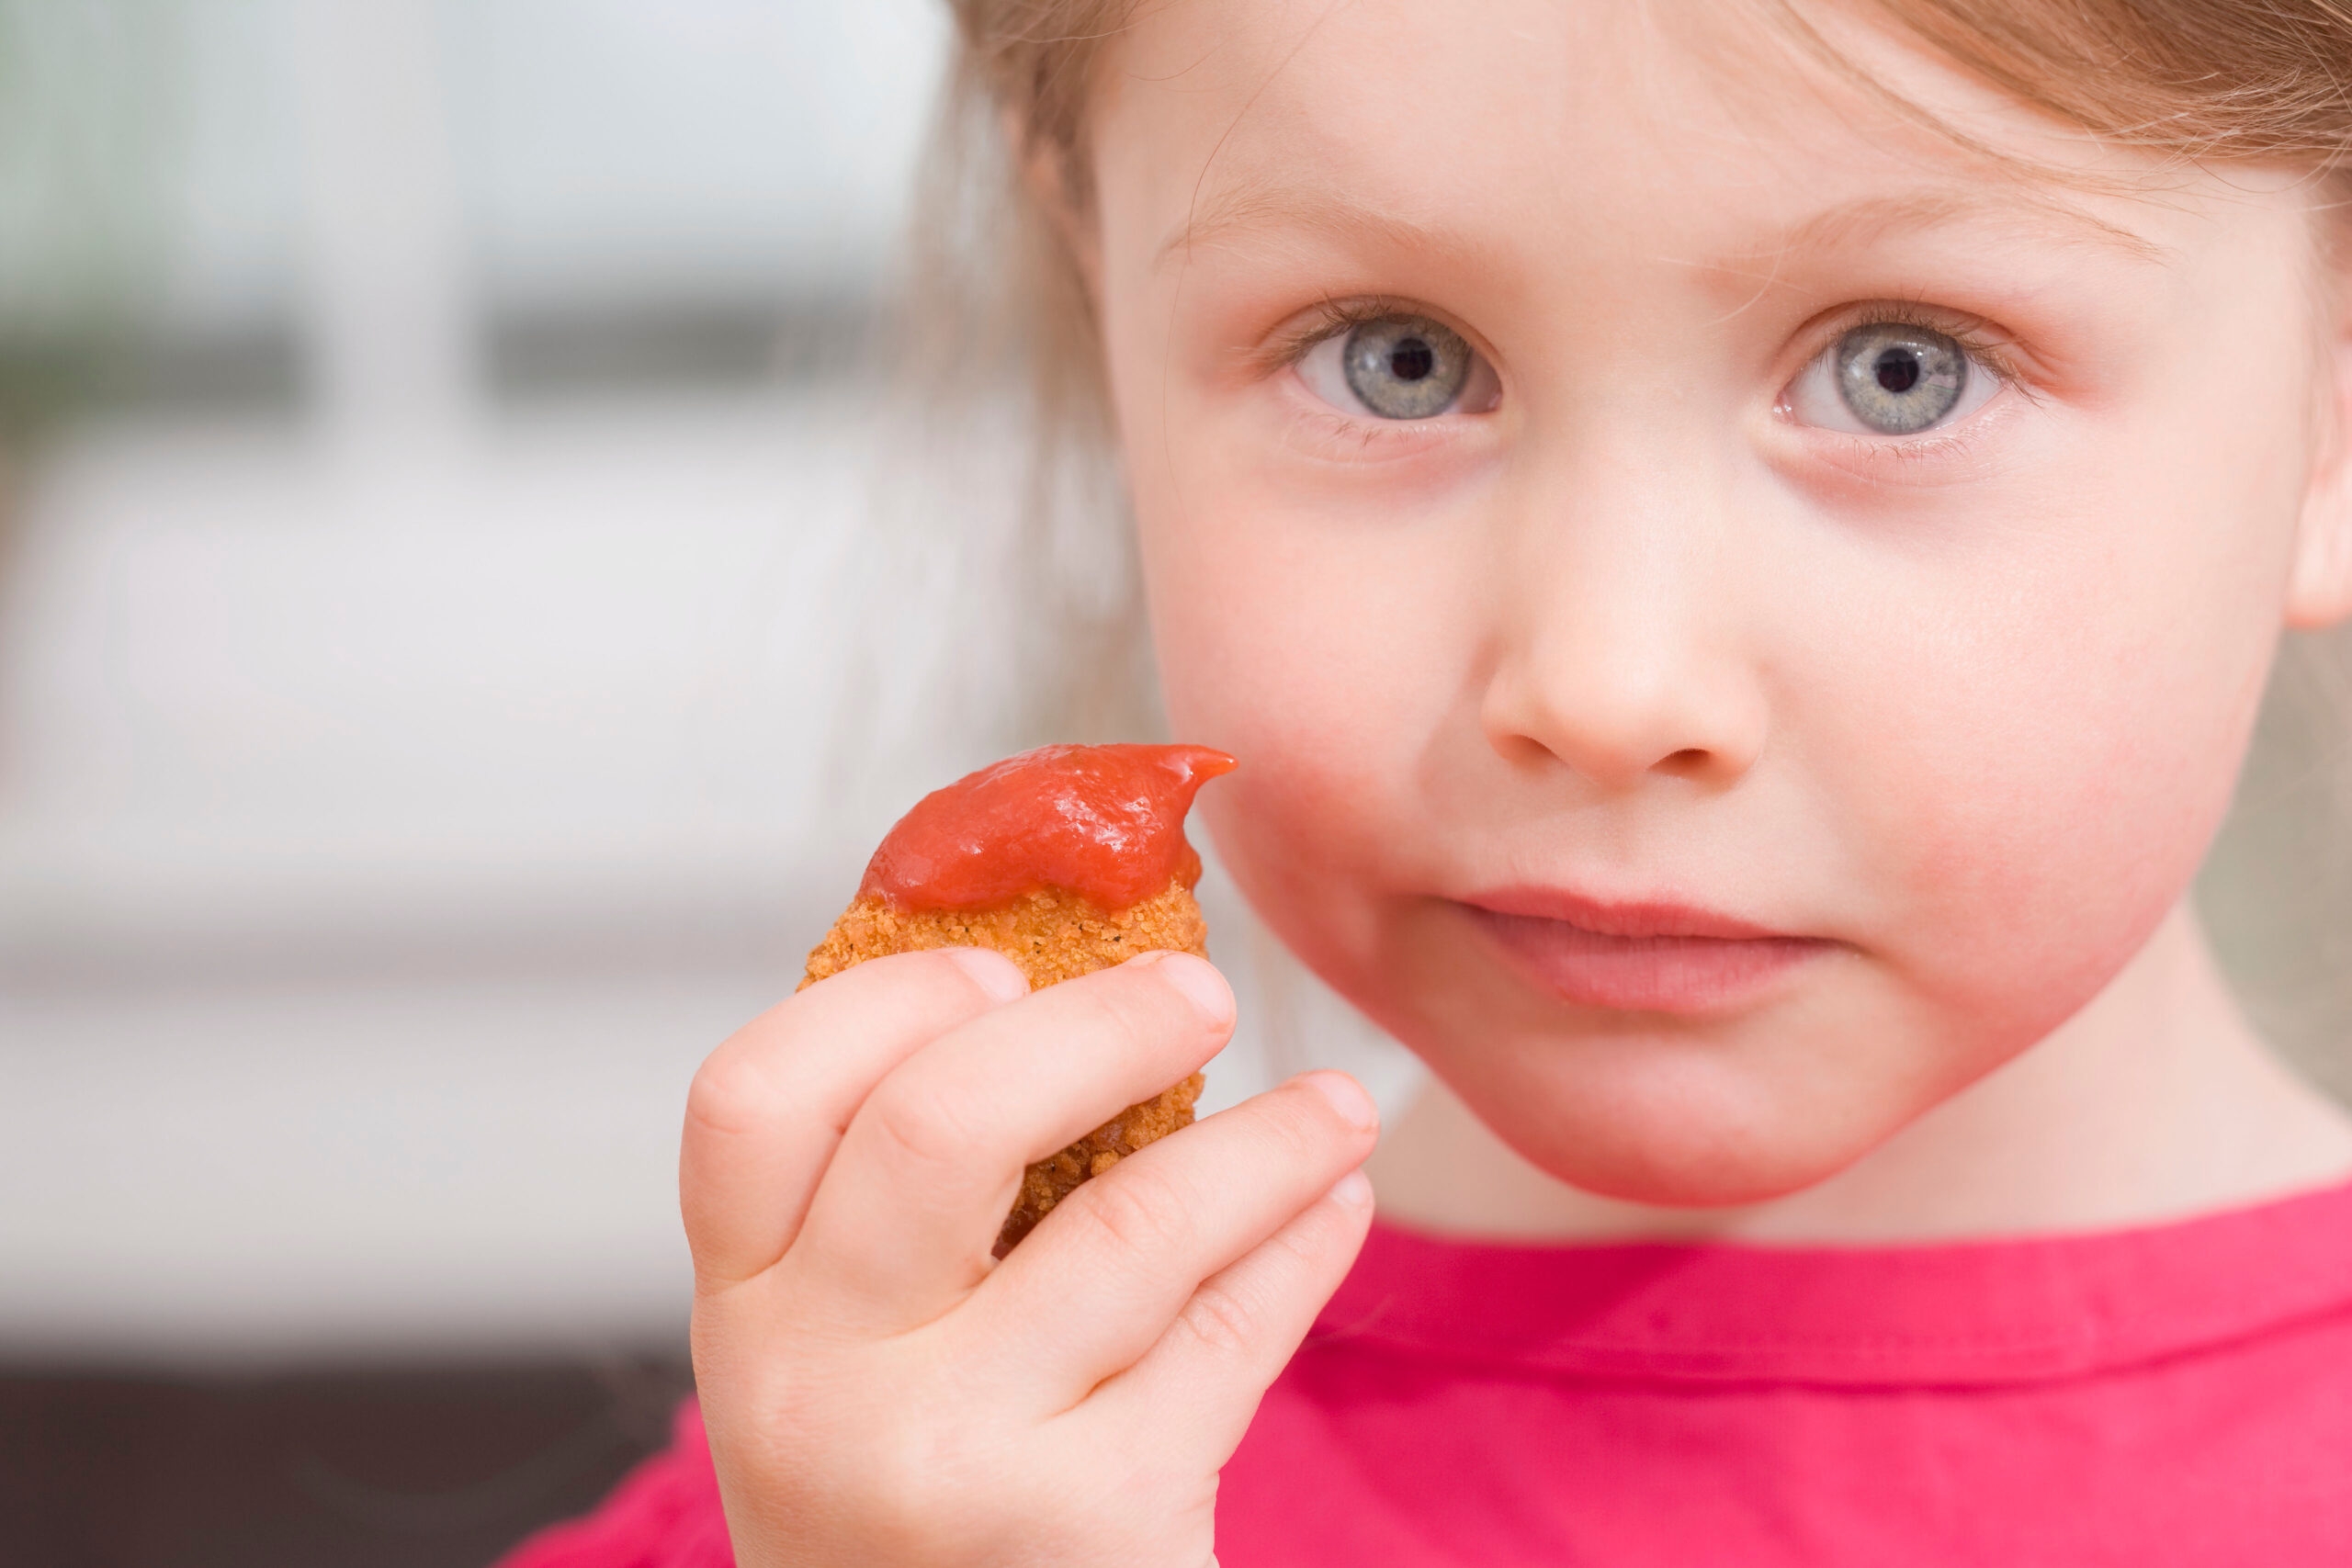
{"x": 1738, "y": 613}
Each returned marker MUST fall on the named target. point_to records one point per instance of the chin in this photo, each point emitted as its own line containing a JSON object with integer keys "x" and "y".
{"x": 1677, "y": 1132}
{"x": 1676, "y": 1171}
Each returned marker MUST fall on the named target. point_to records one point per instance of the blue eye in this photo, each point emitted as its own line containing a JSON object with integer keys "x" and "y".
{"x": 1900, "y": 380}
{"x": 1405, "y": 368}
{"x": 1400, "y": 367}
{"x": 1891, "y": 379}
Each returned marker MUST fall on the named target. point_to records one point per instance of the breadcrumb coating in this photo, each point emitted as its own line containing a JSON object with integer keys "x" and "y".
{"x": 1051, "y": 935}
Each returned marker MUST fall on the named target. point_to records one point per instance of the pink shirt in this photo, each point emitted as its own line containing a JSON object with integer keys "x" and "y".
{"x": 2176, "y": 1396}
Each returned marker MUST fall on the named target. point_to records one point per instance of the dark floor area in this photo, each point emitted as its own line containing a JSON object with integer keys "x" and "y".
{"x": 415, "y": 1468}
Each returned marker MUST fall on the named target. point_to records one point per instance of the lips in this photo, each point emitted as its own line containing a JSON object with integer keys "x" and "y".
{"x": 1639, "y": 957}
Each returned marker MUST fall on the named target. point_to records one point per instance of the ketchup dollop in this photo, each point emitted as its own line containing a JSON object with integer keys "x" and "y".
{"x": 1104, "y": 821}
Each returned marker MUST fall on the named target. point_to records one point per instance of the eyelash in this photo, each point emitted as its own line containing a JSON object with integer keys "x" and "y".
{"x": 1995, "y": 353}
{"x": 1333, "y": 317}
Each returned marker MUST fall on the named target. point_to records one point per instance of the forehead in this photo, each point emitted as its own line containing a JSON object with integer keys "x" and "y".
{"x": 1699, "y": 132}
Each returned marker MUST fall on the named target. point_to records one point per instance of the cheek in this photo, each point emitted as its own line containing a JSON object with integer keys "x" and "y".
{"x": 1322, "y": 638}
{"x": 2031, "y": 789}
{"x": 2036, "y": 767}
{"x": 1327, "y": 670}
{"x": 2008, "y": 886}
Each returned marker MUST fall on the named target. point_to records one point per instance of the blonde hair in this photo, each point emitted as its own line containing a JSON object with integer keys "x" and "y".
{"x": 2265, "y": 80}
{"x": 996, "y": 290}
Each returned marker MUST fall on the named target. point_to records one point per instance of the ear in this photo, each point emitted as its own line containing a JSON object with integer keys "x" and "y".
{"x": 1044, "y": 171}
{"x": 2319, "y": 586}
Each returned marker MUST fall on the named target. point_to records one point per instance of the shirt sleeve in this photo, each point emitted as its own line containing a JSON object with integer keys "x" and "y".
{"x": 664, "y": 1514}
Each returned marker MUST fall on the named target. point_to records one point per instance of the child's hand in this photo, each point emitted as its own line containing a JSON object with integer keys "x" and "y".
{"x": 876, "y": 1390}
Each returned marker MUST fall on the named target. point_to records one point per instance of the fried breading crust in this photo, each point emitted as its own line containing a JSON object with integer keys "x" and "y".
{"x": 1051, "y": 935}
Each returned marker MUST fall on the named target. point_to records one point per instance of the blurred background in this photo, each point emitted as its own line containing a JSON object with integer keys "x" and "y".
{"x": 430, "y": 432}
{"x": 440, "y": 452}
{"x": 436, "y": 445}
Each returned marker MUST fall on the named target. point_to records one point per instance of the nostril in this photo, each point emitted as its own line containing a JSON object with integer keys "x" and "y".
{"x": 1524, "y": 752}
{"x": 1689, "y": 760}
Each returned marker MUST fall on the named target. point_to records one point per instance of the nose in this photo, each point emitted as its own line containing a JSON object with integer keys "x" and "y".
{"x": 1619, "y": 650}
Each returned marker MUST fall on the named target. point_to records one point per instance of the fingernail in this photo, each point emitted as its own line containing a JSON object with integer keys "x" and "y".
{"x": 1347, "y": 1096}
{"x": 1196, "y": 981}
{"x": 1351, "y": 1192}
{"x": 991, "y": 971}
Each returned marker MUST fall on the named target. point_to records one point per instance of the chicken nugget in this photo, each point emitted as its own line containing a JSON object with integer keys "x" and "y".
{"x": 1067, "y": 860}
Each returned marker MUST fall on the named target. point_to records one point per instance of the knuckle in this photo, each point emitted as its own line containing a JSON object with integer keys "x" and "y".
{"x": 729, "y": 1091}
{"x": 740, "y": 1086}
{"x": 1139, "y": 1214}
{"x": 1221, "y": 1320}
{"x": 921, "y": 1124}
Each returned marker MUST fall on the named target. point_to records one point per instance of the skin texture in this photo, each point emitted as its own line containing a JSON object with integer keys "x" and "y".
{"x": 1957, "y": 712}
{"x": 1963, "y": 709}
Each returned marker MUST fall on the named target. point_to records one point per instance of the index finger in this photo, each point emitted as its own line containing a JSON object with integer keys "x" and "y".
{"x": 899, "y": 1230}
{"x": 769, "y": 1106}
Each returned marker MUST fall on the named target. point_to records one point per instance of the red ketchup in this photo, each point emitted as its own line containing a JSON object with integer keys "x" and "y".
{"x": 1104, "y": 821}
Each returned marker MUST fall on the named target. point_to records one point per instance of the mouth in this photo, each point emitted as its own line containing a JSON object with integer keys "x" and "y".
{"x": 1646, "y": 957}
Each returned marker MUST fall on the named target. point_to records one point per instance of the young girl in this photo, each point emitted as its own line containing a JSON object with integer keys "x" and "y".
{"x": 1740, "y": 545}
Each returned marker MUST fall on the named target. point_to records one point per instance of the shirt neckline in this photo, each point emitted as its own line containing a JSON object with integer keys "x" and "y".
{"x": 2034, "y": 1309}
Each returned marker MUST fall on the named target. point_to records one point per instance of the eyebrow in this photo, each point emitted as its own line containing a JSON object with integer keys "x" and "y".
{"x": 1857, "y": 222}
{"x": 1260, "y": 206}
